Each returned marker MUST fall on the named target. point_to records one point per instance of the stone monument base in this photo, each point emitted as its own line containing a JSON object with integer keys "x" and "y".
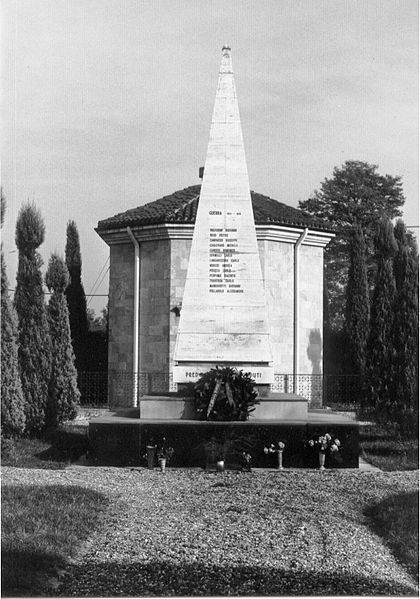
{"x": 120, "y": 439}
{"x": 277, "y": 406}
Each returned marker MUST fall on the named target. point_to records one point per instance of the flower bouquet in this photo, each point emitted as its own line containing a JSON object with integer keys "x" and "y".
{"x": 324, "y": 444}
{"x": 164, "y": 454}
{"x": 150, "y": 454}
{"x": 246, "y": 461}
{"x": 277, "y": 449}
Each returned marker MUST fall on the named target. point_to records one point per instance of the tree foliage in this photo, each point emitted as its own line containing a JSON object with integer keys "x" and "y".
{"x": 380, "y": 342}
{"x": 12, "y": 404}
{"x": 64, "y": 394}
{"x": 357, "y": 304}
{"x": 34, "y": 340}
{"x": 405, "y": 364}
{"x": 30, "y": 230}
{"x": 76, "y": 299}
{"x": 2, "y": 206}
{"x": 356, "y": 195}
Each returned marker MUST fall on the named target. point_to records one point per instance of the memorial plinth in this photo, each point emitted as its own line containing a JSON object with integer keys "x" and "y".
{"x": 224, "y": 314}
{"x": 120, "y": 438}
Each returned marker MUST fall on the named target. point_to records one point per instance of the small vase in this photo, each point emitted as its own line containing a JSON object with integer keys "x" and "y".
{"x": 220, "y": 466}
{"x": 151, "y": 452}
{"x": 162, "y": 464}
{"x": 321, "y": 460}
{"x": 279, "y": 459}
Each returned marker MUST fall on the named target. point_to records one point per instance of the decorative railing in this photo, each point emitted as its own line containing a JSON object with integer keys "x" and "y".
{"x": 306, "y": 385}
{"x": 124, "y": 387}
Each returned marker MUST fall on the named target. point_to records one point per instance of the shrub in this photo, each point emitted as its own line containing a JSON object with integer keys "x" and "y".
{"x": 404, "y": 407}
{"x": 76, "y": 299}
{"x": 34, "y": 340}
{"x": 64, "y": 394}
{"x": 357, "y": 305}
{"x": 12, "y": 404}
{"x": 8, "y": 448}
{"x": 380, "y": 343}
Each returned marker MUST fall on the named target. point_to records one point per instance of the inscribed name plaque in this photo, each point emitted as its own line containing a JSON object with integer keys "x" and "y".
{"x": 223, "y": 318}
{"x": 191, "y": 374}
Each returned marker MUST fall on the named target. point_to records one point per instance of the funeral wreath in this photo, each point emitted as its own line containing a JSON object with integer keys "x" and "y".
{"x": 225, "y": 394}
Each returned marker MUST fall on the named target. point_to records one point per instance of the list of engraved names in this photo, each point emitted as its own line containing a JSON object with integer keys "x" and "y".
{"x": 223, "y": 259}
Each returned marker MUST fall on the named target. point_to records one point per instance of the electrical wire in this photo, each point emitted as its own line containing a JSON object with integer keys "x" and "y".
{"x": 99, "y": 284}
{"x": 99, "y": 275}
{"x": 86, "y": 294}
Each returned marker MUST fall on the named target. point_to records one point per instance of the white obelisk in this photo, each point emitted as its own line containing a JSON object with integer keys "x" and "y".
{"x": 224, "y": 318}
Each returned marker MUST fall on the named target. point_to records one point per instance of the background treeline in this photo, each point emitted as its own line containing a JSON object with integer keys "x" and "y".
{"x": 371, "y": 291}
{"x": 44, "y": 345}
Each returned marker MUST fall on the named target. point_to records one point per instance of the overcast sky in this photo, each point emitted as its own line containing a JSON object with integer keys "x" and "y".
{"x": 108, "y": 103}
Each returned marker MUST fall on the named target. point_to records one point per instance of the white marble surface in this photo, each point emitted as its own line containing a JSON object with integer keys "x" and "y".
{"x": 261, "y": 374}
{"x": 224, "y": 312}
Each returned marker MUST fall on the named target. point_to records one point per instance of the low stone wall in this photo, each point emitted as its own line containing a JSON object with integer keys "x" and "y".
{"x": 123, "y": 442}
{"x": 279, "y": 406}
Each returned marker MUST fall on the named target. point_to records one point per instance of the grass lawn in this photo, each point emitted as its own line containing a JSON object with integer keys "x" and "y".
{"x": 194, "y": 533}
{"x": 55, "y": 450}
{"x": 383, "y": 449}
{"x": 43, "y": 526}
{"x": 396, "y": 519}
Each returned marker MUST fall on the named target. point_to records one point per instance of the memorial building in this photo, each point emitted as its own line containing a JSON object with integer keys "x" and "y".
{"x": 216, "y": 274}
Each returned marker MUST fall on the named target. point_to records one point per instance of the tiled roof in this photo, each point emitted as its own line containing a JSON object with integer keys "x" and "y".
{"x": 181, "y": 207}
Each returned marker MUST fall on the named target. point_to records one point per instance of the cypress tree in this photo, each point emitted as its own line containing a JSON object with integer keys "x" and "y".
{"x": 64, "y": 394}
{"x": 380, "y": 342}
{"x": 12, "y": 404}
{"x": 357, "y": 304}
{"x": 400, "y": 234}
{"x": 355, "y": 194}
{"x": 34, "y": 340}
{"x": 404, "y": 407}
{"x": 76, "y": 299}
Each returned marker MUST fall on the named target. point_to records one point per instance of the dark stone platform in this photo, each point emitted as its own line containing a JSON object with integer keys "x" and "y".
{"x": 120, "y": 438}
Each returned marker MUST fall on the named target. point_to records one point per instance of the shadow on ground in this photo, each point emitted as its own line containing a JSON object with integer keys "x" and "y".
{"x": 396, "y": 521}
{"x": 54, "y": 451}
{"x": 38, "y": 568}
{"x": 201, "y": 579}
{"x": 43, "y": 527}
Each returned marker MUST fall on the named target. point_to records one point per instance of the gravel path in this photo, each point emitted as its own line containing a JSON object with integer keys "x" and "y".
{"x": 262, "y": 533}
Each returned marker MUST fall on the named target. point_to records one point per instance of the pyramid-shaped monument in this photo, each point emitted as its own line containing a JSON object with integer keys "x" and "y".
{"x": 224, "y": 317}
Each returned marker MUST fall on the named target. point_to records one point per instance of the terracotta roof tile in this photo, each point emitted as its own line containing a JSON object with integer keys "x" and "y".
{"x": 181, "y": 207}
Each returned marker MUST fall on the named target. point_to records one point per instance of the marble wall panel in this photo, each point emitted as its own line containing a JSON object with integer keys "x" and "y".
{"x": 121, "y": 314}
{"x": 277, "y": 264}
{"x": 180, "y": 253}
{"x": 154, "y": 305}
{"x": 311, "y": 310}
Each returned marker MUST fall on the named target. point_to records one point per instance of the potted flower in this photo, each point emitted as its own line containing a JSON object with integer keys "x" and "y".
{"x": 215, "y": 451}
{"x": 220, "y": 465}
{"x": 150, "y": 454}
{"x": 246, "y": 461}
{"x": 278, "y": 450}
{"x": 164, "y": 454}
{"x": 323, "y": 445}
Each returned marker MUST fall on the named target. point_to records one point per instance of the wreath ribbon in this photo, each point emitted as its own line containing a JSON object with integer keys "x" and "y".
{"x": 216, "y": 392}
